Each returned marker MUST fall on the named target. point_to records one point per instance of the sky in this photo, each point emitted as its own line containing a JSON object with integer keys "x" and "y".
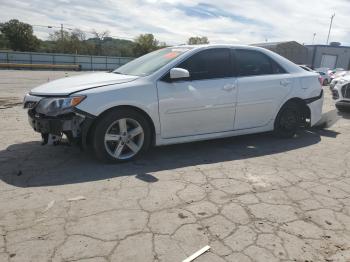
{"x": 174, "y": 21}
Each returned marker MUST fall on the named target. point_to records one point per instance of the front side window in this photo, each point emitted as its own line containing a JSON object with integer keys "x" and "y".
{"x": 151, "y": 62}
{"x": 209, "y": 64}
{"x": 254, "y": 63}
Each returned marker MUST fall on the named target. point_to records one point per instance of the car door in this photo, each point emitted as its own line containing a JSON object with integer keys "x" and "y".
{"x": 262, "y": 85}
{"x": 205, "y": 102}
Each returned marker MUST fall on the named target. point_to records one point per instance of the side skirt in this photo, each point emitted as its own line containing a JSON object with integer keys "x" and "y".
{"x": 178, "y": 140}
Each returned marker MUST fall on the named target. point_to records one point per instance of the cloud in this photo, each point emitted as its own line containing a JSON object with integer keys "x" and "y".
{"x": 173, "y": 21}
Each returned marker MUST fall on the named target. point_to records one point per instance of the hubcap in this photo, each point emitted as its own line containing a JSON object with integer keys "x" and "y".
{"x": 124, "y": 138}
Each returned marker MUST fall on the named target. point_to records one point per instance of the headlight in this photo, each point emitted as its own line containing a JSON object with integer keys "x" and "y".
{"x": 58, "y": 106}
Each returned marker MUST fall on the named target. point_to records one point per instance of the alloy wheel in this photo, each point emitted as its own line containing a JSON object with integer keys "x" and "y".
{"x": 124, "y": 138}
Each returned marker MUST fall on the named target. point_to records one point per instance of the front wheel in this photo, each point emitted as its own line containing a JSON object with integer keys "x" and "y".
{"x": 121, "y": 135}
{"x": 288, "y": 120}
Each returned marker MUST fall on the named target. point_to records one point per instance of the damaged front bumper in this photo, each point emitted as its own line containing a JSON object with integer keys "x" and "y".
{"x": 74, "y": 125}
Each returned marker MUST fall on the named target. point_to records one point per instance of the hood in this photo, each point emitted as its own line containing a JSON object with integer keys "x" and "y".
{"x": 346, "y": 77}
{"x": 69, "y": 85}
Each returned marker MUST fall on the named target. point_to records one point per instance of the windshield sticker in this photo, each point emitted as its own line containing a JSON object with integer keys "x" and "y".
{"x": 180, "y": 50}
{"x": 171, "y": 55}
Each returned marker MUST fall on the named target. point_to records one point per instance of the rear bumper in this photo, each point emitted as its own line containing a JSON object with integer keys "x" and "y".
{"x": 315, "y": 105}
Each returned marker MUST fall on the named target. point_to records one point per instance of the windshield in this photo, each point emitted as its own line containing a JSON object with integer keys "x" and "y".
{"x": 148, "y": 64}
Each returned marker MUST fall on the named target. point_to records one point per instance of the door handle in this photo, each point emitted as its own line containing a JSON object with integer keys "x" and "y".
{"x": 229, "y": 87}
{"x": 285, "y": 82}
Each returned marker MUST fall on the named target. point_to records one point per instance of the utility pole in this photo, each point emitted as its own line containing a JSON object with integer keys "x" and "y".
{"x": 330, "y": 28}
{"x": 62, "y": 32}
{"x": 313, "y": 39}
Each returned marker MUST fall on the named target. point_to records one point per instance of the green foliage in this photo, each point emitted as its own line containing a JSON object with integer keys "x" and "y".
{"x": 19, "y": 36}
{"x": 196, "y": 40}
{"x": 146, "y": 43}
{"x": 4, "y": 42}
{"x": 114, "y": 47}
{"x": 69, "y": 42}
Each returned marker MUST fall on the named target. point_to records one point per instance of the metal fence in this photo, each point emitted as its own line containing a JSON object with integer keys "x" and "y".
{"x": 86, "y": 62}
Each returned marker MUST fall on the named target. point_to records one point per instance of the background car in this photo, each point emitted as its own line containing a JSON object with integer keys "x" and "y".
{"x": 340, "y": 76}
{"x": 341, "y": 93}
{"x": 325, "y": 78}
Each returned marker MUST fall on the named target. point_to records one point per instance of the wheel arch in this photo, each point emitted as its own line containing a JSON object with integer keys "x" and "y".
{"x": 121, "y": 107}
{"x": 306, "y": 112}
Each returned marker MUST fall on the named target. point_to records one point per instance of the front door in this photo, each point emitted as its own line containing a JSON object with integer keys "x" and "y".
{"x": 202, "y": 104}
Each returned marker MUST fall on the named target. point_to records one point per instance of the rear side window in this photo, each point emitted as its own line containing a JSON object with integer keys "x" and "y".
{"x": 253, "y": 63}
{"x": 209, "y": 64}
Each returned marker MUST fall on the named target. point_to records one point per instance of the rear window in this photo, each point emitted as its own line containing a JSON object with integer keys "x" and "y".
{"x": 253, "y": 63}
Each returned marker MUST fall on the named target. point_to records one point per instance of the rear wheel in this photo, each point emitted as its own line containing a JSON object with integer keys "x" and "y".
{"x": 288, "y": 120}
{"x": 121, "y": 135}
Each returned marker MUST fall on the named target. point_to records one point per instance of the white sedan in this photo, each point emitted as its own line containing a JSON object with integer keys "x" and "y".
{"x": 176, "y": 95}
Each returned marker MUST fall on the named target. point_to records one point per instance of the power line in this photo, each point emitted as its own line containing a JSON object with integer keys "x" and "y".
{"x": 62, "y": 27}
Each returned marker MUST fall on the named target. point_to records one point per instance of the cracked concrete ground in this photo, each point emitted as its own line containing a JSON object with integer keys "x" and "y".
{"x": 251, "y": 198}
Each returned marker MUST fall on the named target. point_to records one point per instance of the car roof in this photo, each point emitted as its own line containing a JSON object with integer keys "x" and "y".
{"x": 219, "y": 46}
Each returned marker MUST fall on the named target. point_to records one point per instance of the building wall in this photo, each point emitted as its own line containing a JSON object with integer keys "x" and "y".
{"x": 291, "y": 50}
{"x": 294, "y": 52}
{"x": 86, "y": 62}
{"x": 317, "y": 51}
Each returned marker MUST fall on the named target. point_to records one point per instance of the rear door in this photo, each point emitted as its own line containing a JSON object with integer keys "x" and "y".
{"x": 262, "y": 85}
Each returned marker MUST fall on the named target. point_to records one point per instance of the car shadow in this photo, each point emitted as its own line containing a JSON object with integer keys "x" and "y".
{"x": 32, "y": 165}
{"x": 345, "y": 114}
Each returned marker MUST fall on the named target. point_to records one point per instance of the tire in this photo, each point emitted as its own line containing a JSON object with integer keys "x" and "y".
{"x": 325, "y": 82}
{"x": 288, "y": 120}
{"x": 121, "y": 135}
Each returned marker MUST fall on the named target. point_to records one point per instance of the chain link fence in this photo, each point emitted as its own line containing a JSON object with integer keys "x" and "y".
{"x": 47, "y": 60}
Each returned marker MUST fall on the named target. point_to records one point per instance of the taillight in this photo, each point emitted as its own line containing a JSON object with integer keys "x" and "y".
{"x": 320, "y": 79}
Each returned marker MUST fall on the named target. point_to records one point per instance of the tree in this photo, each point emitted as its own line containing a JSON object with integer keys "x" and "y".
{"x": 4, "y": 43}
{"x": 100, "y": 37}
{"x": 70, "y": 42}
{"x": 146, "y": 43}
{"x": 196, "y": 40}
{"x": 20, "y": 36}
{"x": 62, "y": 41}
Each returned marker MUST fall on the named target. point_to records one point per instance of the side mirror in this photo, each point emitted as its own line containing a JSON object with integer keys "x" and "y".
{"x": 179, "y": 73}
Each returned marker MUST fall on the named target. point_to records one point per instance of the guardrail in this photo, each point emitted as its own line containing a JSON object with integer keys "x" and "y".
{"x": 54, "y": 61}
